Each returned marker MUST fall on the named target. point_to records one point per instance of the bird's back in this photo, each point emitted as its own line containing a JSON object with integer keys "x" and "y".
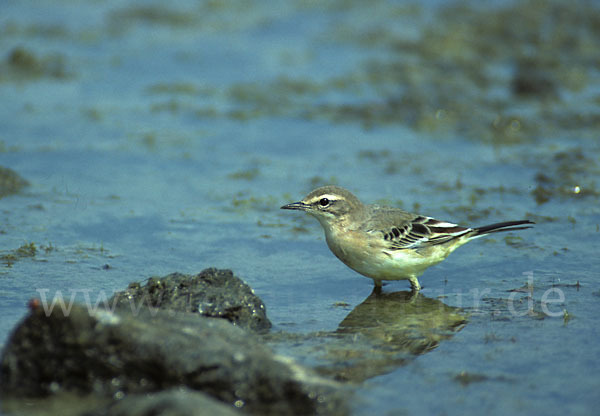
{"x": 383, "y": 218}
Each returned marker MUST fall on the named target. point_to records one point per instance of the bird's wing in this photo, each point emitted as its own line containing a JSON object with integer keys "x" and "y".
{"x": 401, "y": 230}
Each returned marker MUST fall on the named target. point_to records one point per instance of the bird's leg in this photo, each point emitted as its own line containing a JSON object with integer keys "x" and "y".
{"x": 414, "y": 283}
{"x": 377, "y": 287}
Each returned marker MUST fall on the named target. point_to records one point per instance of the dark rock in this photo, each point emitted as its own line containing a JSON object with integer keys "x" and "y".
{"x": 174, "y": 402}
{"x": 213, "y": 293}
{"x": 118, "y": 354}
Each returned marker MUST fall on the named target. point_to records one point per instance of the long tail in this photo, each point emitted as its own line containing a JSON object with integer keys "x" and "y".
{"x": 501, "y": 226}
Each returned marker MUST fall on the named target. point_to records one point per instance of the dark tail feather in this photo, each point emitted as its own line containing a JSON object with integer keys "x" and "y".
{"x": 502, "y": 226}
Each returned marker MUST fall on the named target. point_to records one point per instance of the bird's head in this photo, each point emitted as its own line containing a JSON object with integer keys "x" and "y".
{"x": 328, "y": 204}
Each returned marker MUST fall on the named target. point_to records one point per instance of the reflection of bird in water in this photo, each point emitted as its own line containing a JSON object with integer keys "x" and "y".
{"x": 386, "y": 330}
{"x": 404, "y": 320}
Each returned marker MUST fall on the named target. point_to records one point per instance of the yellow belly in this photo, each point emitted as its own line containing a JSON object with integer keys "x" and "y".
{"x": 370, "y": 258}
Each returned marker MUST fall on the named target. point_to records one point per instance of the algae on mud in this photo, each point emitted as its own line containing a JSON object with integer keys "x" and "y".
{"x": 10, "y": 182}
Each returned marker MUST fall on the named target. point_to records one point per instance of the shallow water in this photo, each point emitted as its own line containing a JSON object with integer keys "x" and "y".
{"x": 165, "y": 138}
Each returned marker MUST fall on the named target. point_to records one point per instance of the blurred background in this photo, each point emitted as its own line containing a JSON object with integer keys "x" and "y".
{"x": 143, "y": 138}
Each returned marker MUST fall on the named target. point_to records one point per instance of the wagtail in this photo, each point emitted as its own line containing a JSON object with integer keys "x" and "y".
{"x": 386, "y": 243}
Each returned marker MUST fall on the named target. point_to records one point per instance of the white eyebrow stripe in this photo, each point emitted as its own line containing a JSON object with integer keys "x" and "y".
{"x": 331, "y": 197}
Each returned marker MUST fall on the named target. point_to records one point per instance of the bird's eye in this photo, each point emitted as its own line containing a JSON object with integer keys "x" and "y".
{"x": 324, "y": 202}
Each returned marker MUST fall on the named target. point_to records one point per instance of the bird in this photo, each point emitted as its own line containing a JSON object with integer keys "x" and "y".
{"x": 387, "y": 243}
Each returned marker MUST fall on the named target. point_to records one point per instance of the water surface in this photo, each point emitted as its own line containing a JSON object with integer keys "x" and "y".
{"x": 160, "y": 138}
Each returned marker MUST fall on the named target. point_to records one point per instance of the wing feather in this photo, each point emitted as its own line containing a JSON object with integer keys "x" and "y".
{"x": 420, "y": 232}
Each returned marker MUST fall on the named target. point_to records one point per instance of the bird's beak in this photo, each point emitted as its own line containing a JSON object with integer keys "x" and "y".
{"x": 296, "y": 205}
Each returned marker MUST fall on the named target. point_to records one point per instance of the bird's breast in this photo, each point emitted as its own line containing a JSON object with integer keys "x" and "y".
{"x": 357, "y": 250}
